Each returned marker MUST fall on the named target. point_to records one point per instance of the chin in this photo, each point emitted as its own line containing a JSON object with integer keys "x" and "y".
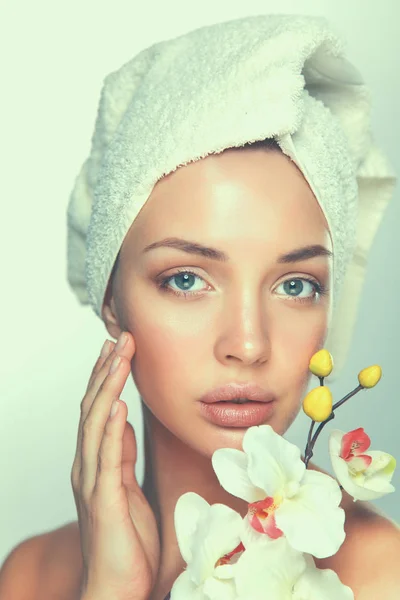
{"x": 214, "y": 437}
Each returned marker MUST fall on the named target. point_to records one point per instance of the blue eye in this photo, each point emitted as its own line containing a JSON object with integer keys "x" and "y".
{"x": 302, "y": 289}
{"x": 184, "y": 280}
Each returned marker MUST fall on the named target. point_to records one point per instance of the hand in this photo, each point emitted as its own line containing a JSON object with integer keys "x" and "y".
{"x": 118, "y": 531}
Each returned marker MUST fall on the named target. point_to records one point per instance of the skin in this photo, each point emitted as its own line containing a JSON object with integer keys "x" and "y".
{"x": 255, "y": 205}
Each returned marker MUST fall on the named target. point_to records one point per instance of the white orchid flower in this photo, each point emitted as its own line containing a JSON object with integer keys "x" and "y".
{"x": 284, "y": 497}
{"x": 209, "y": 540}
{"x": 278, "y": 571}
{"x": 315, "y": 584}
{"x": 364, "y": 475}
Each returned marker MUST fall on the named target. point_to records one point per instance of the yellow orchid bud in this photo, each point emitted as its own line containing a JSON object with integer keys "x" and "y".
{"x": 321, "y": 363}
{"x": 370, "y": 376}
{"x": 318, "y": 403}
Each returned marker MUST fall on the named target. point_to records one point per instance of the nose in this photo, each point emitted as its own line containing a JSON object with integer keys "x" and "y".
{"x": 244, "y": 336}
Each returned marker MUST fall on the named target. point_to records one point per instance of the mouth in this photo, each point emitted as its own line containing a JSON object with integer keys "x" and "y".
{"x": 237, "y": 413}
{"x": 238, "y": 393}
{"x": 237, "y": 405}
{"x": 236, "y": 401}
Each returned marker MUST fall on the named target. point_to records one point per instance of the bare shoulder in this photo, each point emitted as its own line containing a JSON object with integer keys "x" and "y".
{"x": 51, "y": 564}
{"x": 368, "y": 560}
{"x": 24, "y": 558}
{"x": 62, "y": 563}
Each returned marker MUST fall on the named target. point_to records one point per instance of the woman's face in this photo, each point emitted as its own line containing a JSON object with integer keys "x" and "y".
{"x": 252, "y": 317}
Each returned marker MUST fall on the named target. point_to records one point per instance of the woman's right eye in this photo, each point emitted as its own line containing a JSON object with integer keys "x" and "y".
{"x": 184, "y": 279}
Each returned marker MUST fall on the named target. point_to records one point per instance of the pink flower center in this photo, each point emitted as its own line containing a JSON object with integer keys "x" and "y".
{"x": 226, "y": 559}
{"x": 261, "y": 516}
{"x": 354, "y": 443}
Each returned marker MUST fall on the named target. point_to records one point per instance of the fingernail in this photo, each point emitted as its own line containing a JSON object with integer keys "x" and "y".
{"x": 114, "y": 408}
{"x": 105, "y": 349}
{"x": 114, "y": 364}
{"x": 121, "y": 342}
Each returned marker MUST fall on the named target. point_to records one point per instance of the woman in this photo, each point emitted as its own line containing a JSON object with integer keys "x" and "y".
{"x": 236, "y": 287}
{"x": 250, "y": 318}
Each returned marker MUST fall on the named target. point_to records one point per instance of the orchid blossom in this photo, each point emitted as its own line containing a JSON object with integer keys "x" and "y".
{"x": 278, "y": 571}
{"x": 209, "y": 542}
{"x": 364, "y": 475}
{"x": 284, "y": 498}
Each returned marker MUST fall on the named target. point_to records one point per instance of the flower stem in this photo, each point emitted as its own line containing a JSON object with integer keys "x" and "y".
{"x": 307, "y": 451}
{"x": 349, "y": 395}
{"x": 311, "y": 442}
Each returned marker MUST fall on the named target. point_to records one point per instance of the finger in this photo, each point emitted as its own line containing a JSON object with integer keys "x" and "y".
{"x": 108, "y": 347}
{"x": 100, "y": 370}
{"x": 96, "y": 386}
{"x": 97, "y": 378}
{"x": 129, "y": 457}
{"x": 99, "y": 374}
{"x": 109, "y": 467}
{"x": 127, "y": 351}
{"x": 93, "y": 427}
{"x": 98, "y": 381}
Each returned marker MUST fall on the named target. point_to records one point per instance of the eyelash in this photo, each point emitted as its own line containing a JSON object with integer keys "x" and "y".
{"x": 320, "y": 289}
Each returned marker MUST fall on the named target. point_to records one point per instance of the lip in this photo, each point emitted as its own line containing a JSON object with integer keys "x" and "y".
{"x": 237, "y": 415}
{"x": 216, "y": 407}
{"x": 231, "y": 391}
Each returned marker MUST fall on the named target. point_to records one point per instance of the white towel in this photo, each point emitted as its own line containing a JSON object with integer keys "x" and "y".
{"x": 221, "y": 86}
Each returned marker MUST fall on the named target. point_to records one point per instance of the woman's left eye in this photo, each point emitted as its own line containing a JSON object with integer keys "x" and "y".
{"x": 301, "y": 289}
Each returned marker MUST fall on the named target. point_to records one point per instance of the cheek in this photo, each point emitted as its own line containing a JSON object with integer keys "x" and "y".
{"x": 168, "y": 346}
{"x": 297, "y": 337}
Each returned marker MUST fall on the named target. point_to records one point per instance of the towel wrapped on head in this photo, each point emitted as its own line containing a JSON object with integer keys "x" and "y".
{"x": 221, "y": 86}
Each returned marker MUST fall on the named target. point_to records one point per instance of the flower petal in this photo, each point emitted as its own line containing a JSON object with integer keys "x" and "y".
{"x": 335, "y": 442}
{"x": 218, "y": 589}
{"x": 273, "y": 567}
{"x": 354, "y": 442}
{"x": 381, "y": 461}
{"x": 261, "y": 516}
{"x": 359, "y": 463}
{"x": 273, "y": 462}
{"x": 312, "y": 520}
{"x": 188, "y": 510}
{"x": 344, "y": 477}
{"x": 315, "y": 584}
{"x": 230, "y": 466}
{"x": 362, "y": 487}
{"x": 218, "y": 533}
{"x": 251, "y": 537}
{"x": 224, "y": 572}
{"x": 184, "y": 588}
{"x": 390, "y": 467}
{"x": 309, "y": 560}
{"x": 378, "y": 485}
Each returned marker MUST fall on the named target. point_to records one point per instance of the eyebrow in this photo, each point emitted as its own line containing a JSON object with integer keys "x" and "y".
{"x": 304, "y": 253}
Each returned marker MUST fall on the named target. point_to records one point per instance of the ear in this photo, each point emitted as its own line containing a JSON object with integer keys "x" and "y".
{"x": 109, "y": 313}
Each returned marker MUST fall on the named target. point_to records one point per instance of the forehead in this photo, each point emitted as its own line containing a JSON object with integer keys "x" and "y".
{"x": 249, "y": 194}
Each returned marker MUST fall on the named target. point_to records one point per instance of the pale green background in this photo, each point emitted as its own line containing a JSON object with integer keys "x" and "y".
{"x": 54, "y": 56}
